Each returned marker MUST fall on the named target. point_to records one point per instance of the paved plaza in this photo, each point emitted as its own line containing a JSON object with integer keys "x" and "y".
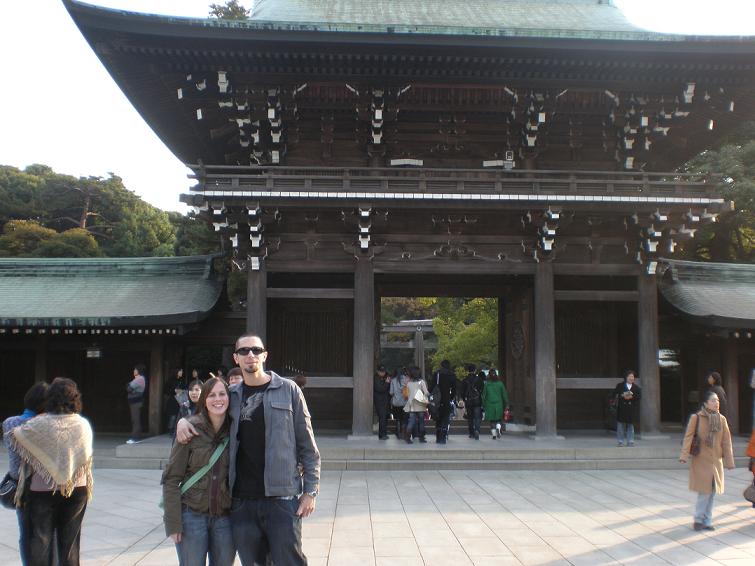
{"x": 455, "y": 518}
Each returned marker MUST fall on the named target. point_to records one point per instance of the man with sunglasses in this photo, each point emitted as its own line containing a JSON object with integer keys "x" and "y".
{"x": 275, "y": 463}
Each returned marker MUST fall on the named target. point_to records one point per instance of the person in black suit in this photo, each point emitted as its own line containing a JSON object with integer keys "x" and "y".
{"x": 627, "y": 406}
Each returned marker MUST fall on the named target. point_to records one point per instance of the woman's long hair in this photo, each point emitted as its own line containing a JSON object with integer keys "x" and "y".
{"x": 202, "y": 405}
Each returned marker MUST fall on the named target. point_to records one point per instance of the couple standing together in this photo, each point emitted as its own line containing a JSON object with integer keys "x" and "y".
{"x": 244, "y": 471}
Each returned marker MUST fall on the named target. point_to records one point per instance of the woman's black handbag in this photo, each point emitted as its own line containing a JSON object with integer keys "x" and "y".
{"x": 8, "y": 492}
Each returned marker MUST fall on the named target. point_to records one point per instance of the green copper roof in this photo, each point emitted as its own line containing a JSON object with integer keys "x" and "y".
{"x": 584, "y": 19}
{"x": 111, "y": 292}
{"x": 718, "y": 294}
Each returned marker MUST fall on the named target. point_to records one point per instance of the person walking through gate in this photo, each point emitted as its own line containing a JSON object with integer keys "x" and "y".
{"x": 195, "y": 485}
{"x": 471, "y": 392}
{"x": 274, "y": 471}
{"x": 445, "y": 379}
{"x": 627, "y": 405}
{"x": 495, "y": 399}
{"x": 381, "y": 399}
{"x": 416, "y": 405}
{"x": 398, "y": 400}
{"x": 707, "y": 441}
{"x": 135, "y": 396}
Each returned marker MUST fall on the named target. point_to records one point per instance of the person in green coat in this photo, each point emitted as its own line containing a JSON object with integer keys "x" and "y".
{"x": 494, "y": 399}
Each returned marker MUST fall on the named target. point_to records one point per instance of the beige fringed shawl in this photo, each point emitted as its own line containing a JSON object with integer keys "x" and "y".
{"x": 58, "y": 448}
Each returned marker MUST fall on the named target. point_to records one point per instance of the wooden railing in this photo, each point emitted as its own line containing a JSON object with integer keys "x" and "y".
{"x": 479, "y": 181}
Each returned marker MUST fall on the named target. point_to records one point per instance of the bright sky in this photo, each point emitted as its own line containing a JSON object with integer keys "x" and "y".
{"x": 59, "y": 107}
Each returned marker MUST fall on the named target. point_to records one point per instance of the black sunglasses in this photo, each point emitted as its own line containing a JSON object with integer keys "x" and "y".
{"x": 256, "y": 350}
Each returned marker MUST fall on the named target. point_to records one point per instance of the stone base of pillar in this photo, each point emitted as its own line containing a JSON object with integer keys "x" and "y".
{"x": 547, "y": 437}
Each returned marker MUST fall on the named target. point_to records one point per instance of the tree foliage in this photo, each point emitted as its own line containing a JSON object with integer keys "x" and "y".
{"x": 118, "y": 222}
{"x": 27, "y": 238}
{"x": 231, "y": 10}
{"x": 732, "y": 238}
{"x": 467, "y": 331}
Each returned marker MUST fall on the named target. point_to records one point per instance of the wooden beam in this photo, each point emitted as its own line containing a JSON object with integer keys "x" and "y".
{"x": 364, "y": 347}
{"x": 731, "y": 383}
{"x": 647, "y": 341}
{"x": 330, "y": 382}
{"x": 40, "y": 358}
{"x": 597, "y": 296}
{"x": 155, "y": 412}
{"x": 596, "y": 269}
{"x": 304, "y": 293}
{"x": 545, "y": 351}
{"x": 256, "y": 302}
{"x": 589, "y": 382}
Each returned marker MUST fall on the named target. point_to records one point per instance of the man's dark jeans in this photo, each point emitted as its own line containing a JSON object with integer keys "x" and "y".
{"x": 54, "y": 514}
{"x": 444, "y": 420}
{"x": 259, "y": 524}
{"x": 383, "y": 411}
{"x": 474, "y": 416}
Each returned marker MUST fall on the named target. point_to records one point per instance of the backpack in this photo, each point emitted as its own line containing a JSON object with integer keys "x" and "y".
{"x": 473, "y": 396}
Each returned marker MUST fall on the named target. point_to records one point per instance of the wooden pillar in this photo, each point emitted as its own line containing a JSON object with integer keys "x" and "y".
{"x": 40, "y": 358}
{"x": 647, "y": 340}
{"x": 364, "y": 347}
{"x": 731, "y": 383}
{"x": 256, "y": 302}
{"x": 545, "y": 351}
{"x": 419, "y": 350}
{"x": 156, "y": 377}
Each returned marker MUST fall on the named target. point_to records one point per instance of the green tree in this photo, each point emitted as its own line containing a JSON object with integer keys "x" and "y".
{"x": 732, "y": 237}
{"x": 193, "y": 237}
{"x": 467, "y": 331}
{"x": 26, "y": 238}
{"x": 231, "y": 10}
{"x": 21, "y": 238}
{"x": 121, "y": 223}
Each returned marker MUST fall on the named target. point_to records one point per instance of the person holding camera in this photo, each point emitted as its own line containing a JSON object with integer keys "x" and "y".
{"x": 627, "y": 395}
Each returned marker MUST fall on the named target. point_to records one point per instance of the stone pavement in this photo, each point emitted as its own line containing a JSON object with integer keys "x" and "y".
{"x": 454, "y": 517}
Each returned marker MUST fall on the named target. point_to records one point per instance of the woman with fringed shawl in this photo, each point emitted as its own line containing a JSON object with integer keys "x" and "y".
{"x": 706, "y": 470}
{"x": 55, "y": 478}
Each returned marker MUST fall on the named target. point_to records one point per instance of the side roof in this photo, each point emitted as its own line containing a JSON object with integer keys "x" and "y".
{"x": 106, "y": 292}
{"x": 714, "y": 294}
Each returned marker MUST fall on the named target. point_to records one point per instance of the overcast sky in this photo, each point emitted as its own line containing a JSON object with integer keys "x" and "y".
{"x": 58, "y": 105}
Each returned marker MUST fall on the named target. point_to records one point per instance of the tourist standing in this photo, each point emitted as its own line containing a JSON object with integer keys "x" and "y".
{"x": 495, "y": 399}
{"x": 471, "y": 392}
{"x": 197, "y": 516}
{"x": 381, "y": 400}
{"x": 135, "y": 396}
{"x": 235, "y": 376}
{"x": 173, "y": 402}
{"x": 627, "y": 395}
{"x": 445, "y": 379}
{"x": 398, "y": 401}
{"x": 707, "y": 434}
{"x": 416, "y": 405}
{"x": 274, "y": 472}
{"x": 713, "y": 379}
{"x": 34, "y": 404}
{"x": 55, "y": 476}
{"x": 189, "y": 406}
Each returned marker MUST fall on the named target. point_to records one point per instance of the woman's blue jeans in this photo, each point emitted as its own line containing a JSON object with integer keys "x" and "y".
{"x": 416, "y": 425}
{"x": 204, "y": 535}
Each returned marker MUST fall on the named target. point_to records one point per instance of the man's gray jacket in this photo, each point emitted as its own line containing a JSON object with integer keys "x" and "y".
{"x": 289, "y": 440}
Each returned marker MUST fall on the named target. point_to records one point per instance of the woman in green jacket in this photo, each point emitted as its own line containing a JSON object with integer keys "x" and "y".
{"x": 198, "y": 520}
{"x": 494, "y": 400}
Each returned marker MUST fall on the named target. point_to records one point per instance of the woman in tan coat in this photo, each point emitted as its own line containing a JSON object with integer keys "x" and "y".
{"x": 706, "y": 471}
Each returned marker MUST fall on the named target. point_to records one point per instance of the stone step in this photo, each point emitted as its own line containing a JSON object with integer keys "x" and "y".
{"x": 510, "y": 465}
